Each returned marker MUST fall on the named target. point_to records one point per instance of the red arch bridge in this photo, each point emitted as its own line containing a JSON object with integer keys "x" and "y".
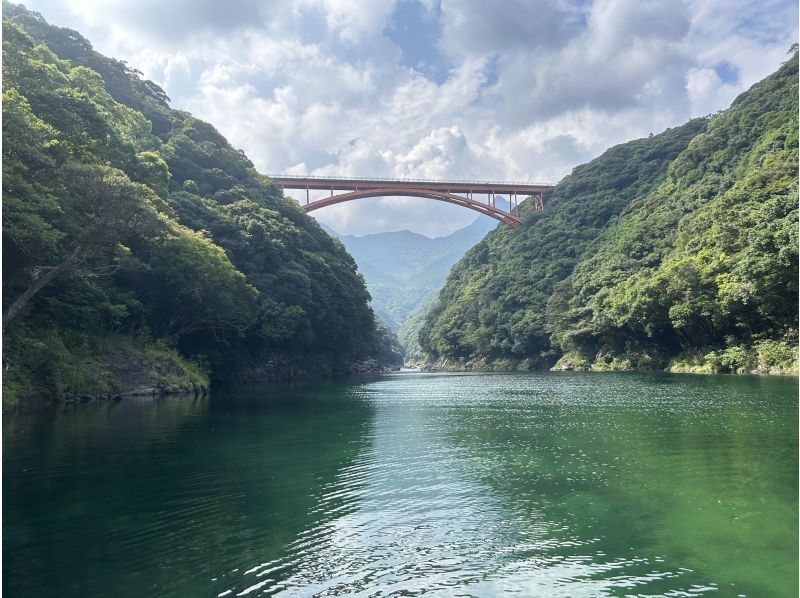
{"x": 461, "y": 193}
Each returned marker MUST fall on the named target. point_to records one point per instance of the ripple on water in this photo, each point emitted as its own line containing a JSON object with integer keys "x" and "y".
{"x": 450, "y": 485}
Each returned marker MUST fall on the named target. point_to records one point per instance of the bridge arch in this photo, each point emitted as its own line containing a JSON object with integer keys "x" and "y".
{"x": 459, "y": 193}
{"x": 486, "y": 209}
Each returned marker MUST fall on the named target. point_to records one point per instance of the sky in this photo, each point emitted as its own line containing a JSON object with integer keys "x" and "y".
{"x": 520, "y": 90}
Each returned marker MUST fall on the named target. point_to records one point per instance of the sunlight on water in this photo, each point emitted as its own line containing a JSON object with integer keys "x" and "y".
{"x": 414, "y": 484}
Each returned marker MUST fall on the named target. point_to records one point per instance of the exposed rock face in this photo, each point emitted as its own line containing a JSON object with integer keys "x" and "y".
{"x": 132, "y": 371}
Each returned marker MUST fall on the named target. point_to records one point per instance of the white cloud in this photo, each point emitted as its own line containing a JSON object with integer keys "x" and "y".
{"x": 352, "y": 20}
{"x": 705, "y": 89}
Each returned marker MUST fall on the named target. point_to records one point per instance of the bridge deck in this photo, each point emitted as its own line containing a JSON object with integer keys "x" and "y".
{"x": 365, "y": 184}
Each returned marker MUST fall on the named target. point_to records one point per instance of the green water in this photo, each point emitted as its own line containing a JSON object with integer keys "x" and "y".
{"x": 413, "y": 484}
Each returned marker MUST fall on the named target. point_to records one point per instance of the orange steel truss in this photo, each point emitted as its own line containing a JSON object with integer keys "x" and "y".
{"x": 456, "y": 192}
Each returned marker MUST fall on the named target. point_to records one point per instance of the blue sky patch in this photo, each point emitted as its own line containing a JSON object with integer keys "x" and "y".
{"x": 727, "y": 72}
{"x": 416, "y": 31}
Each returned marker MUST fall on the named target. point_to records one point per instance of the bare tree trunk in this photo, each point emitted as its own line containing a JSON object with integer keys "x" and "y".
{"x": 41, "y": 281}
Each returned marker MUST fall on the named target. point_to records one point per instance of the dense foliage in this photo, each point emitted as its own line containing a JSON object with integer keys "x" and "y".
{"x": 682, "y": 243}
{"x": 125, "y": 218}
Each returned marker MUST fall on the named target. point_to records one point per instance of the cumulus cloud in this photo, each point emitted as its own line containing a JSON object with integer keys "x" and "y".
{"x": 352, "y": 20}
{"x": 528, "y": 90}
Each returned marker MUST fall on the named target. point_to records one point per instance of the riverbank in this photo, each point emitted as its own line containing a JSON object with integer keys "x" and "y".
{"x": 766, "y": 357}
{"x": 769, "y": 357}
{"x": 128, "y": 369}
{"x": 114, "y": 368}
{"x": 284, "y": 367}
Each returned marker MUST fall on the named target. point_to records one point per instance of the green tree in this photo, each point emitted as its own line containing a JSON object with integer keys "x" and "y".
{"x": 100, "y": 207}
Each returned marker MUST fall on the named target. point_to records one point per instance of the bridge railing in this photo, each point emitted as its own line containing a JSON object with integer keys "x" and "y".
{"x": 405, "y": 180}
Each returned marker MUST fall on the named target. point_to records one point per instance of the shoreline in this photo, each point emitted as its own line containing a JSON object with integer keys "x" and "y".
{"x": 202, "y": 388}
{"x": 486, "y": 368}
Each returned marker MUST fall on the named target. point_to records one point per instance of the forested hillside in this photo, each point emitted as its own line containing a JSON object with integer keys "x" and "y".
{"x": 135, "y": 239}
{"x": 677, "y": 250}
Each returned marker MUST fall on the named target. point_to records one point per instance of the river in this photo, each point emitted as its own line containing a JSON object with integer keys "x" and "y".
{"x": 551, "y": 484}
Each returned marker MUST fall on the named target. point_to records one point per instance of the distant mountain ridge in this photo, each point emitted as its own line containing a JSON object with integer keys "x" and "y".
{"x": 402, "y": 268}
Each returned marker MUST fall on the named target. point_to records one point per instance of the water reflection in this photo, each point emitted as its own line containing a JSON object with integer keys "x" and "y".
{"x": 154, "y": 499}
